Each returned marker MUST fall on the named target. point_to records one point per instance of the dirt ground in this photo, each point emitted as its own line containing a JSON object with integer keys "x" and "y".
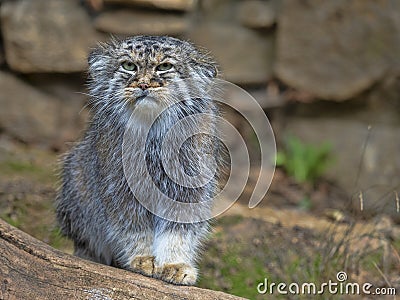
{"x": 285, "y": 239}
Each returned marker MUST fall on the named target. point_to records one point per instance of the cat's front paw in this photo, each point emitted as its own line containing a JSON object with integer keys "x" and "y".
{"x": 177, "y": 273}
{"x": 143, "y": 265}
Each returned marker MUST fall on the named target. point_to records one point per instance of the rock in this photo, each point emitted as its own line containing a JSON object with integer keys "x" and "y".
{"x": 128, "y": 22}
{"x": 46, "y": 36}
{"x": 263, "y": 96}
{"x": 2, "y": 60}
{"x": 182, "y": 5}
{"x": 217, "y": 10}
{"x": 364, "y": 163}
{"x": 27, "y": 114}
{"x": 337, "y": 49}
{"x": 245, "y": 56}
{"x": 94, "y": 5}
{"x": 33, "y": 116}
{"x": 70, "y": 94}
{"x": 257, "y": 14}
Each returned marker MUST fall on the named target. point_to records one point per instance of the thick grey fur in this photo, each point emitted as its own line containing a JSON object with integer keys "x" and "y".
{"x": 95, "y": 205}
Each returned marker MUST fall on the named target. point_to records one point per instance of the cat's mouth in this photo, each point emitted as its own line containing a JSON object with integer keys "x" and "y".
{"x": 142, "y": 96}
{"x": 145, "y": 97}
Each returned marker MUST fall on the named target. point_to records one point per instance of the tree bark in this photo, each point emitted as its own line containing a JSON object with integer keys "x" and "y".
{"x": 30, "y": 269}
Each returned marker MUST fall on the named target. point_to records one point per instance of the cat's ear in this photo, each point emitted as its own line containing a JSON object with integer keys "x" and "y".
{"x": 101, "y": 51}
{"x": 205, "y": 63}
{"x": 97, "y": 59}
{"x": 92, "y": 57}
{"x": 209, "y": 69}
{"x": 95, "y": 55}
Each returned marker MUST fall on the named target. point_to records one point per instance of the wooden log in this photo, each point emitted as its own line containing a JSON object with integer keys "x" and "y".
{"x": 31, "y": 269}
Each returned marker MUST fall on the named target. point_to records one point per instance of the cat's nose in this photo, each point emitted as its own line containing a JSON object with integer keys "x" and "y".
{"x": 143, "y": 85}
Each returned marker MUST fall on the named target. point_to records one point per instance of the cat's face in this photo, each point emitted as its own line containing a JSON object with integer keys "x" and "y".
{"x": 145, "y": 67}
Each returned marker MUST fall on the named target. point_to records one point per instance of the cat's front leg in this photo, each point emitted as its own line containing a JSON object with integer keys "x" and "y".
{"x": 176, "y": 248}
{"x": 135, "y": 252}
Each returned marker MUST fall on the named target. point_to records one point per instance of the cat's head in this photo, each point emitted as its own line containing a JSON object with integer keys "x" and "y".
{"x": 147, "y": 68}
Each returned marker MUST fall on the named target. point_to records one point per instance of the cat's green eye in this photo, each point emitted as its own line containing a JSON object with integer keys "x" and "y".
{"x": 129, "y": 66}
{"x": 164, "y": 66}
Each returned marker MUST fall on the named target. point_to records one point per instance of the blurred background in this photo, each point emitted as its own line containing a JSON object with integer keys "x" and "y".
{"x": 326, "y": 73}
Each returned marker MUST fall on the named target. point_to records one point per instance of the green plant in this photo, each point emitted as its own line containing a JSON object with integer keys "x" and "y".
{"x": 305, "y": 203}
{"x": 305, "y": 162}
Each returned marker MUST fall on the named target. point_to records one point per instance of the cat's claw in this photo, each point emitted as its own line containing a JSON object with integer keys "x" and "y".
{"x": 143, "y": 265}
{"x": 177, "y": 273}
